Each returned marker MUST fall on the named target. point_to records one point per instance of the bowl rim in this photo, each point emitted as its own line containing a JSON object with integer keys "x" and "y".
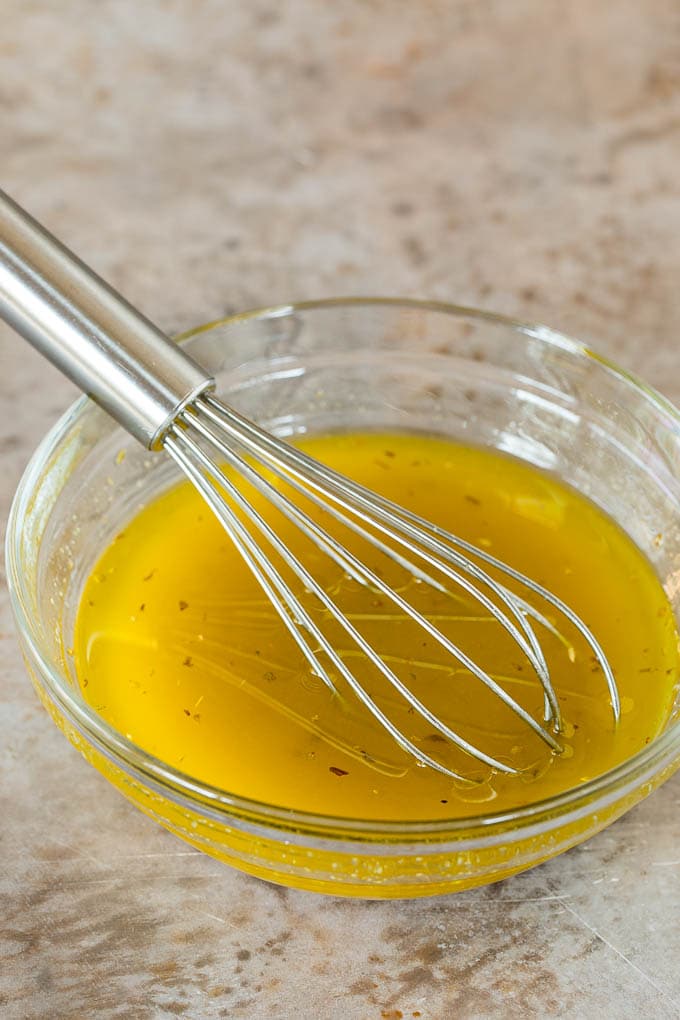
{"x": 182, "y": 787}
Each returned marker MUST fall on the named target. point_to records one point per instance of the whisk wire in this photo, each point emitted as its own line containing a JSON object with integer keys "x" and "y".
{"x": 182, "y": 449}
{"x": 529, "y": 644}
{"x": 300, "y": 472}
{"x": 180, "y": 445}
{"x": 359, "y": 570}
{"x": 378, "y": 508}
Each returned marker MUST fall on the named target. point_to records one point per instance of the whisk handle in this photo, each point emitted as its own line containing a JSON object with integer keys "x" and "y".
{"x": 92, "y": 335}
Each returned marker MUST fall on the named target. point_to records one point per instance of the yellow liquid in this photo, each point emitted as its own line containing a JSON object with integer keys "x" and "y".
{"x": 179, "y": 649}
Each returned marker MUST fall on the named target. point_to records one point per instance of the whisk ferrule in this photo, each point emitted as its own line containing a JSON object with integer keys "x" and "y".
{"x": 90, "y": 333}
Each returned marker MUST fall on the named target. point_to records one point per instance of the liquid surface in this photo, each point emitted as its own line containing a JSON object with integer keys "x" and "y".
{"x": 177, "y": 647}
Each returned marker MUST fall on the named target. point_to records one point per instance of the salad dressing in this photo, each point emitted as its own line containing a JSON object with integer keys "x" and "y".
{"x": 177, "y": 647}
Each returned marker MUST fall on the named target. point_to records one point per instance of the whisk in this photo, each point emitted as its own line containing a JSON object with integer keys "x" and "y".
{"x": 160, "y": 395}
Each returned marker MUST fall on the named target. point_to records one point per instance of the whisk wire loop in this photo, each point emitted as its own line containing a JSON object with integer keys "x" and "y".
{"x": 523, "y": 636}
{"x": 361, "y": 572}
{"x": 214, "y": 485}
{"x": 188, "y": 456}
{"x": 444, "y": 544}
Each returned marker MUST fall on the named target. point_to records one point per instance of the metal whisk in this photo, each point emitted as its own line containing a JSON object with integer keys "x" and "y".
{"x": 164, "y": 399}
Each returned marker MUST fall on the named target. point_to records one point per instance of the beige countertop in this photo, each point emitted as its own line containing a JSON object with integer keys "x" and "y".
{"x": 209, "y": 156}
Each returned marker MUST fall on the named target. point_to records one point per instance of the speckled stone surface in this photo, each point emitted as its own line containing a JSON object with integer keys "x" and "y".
{"x": 210, "y": 156}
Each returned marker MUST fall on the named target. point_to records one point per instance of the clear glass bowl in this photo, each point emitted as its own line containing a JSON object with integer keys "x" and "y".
{"x": 359, "y": 364}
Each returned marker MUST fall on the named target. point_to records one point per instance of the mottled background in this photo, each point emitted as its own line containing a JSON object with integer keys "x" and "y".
{"x": 209, "y": 156}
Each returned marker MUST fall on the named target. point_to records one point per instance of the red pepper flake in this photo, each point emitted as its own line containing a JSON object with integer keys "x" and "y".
{"x": 183, "y": 605}
{"x": 187, "y": 712}
{"x": 336, "y": 771}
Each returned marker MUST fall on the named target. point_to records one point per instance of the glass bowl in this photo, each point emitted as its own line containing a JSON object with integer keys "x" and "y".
{"x": 362, "y": 364}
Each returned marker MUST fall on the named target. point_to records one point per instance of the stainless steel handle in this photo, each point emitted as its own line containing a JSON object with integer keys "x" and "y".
{"x": 103, "y": 344}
